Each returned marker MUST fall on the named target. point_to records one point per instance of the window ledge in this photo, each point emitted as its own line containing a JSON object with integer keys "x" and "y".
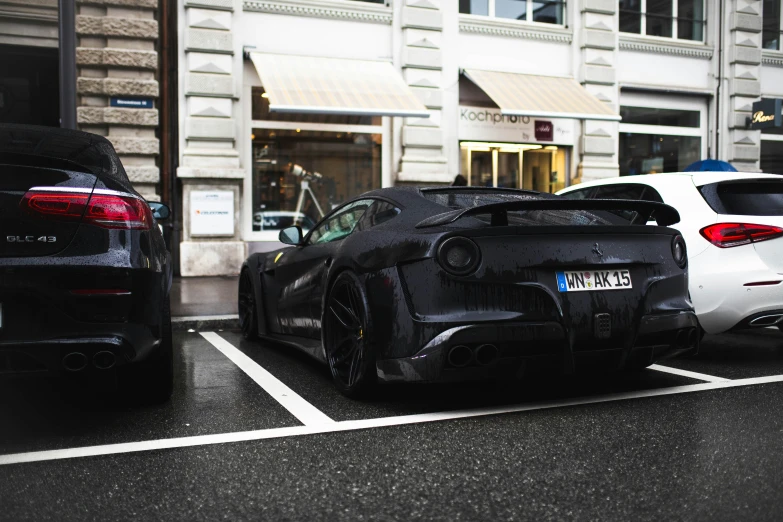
{"x": 334, "y": 9}
{"x": 774, "y": 58}
{"x": 660, "y": 45}
{"x": 514, "y": 28}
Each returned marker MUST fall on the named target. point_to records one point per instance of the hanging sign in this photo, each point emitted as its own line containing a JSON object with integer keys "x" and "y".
{"x": 212, "y": 213}
{"x": 766, "y": 114}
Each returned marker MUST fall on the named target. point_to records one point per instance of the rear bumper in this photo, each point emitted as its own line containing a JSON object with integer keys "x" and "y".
{"x": 44, "y": 320}
{"x": 717, "y": 286}
{"x": 524, "y": 348}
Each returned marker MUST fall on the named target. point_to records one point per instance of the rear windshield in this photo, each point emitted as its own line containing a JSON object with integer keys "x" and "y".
{"x": 462, "y": 199}
{"x": 747, "y": 198}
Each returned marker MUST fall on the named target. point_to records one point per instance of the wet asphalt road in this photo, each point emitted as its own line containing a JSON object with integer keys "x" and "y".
{"x": 712, "y": 454}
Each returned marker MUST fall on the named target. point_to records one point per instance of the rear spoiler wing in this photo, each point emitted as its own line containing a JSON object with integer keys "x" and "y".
{"x": 663, "y": 214}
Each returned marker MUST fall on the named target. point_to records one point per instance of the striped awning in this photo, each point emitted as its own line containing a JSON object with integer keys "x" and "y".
{"x": 308, "y": 84}
{"x": 541, "y": 96}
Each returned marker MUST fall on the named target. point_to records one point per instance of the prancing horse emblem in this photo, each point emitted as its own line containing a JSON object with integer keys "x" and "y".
{"x": 597, "y": 251}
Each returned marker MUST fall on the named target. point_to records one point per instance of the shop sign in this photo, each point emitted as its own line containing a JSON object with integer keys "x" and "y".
{"x": 482, "y": 124}
{"x": 131, "y": 103}
{"x": 212, "y": 213}
{"x": 766, "y": 113}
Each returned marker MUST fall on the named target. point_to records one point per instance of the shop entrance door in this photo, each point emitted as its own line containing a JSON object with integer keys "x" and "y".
{"x": 510, "y": 165}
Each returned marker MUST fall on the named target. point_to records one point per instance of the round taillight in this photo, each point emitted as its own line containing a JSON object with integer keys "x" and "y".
{"x": 459, "y": 256}
{"x": 679, "y": 253}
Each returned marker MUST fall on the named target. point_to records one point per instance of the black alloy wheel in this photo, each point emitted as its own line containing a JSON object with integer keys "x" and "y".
{"x": 248, "y": 313}
{"x": 347, "y": 337}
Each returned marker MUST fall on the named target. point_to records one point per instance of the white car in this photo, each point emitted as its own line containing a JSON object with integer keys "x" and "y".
{"x": 732, "y": 223}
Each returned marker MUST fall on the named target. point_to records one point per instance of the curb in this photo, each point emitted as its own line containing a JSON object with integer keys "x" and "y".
{"x": 205, "y": 322}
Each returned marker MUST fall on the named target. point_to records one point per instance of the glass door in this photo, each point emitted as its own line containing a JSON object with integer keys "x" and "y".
{"x": 511, "y": 165}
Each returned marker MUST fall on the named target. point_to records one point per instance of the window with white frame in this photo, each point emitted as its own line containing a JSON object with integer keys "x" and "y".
{"x": 681, "y": 19}
{"x": 660, "y": 133}
{"x": 542, "y": 11}
{"x": 771, "y": 28}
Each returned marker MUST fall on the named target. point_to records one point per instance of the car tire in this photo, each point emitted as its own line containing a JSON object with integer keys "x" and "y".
{"x": 246, "y": 306}
{"x": 348, "y": 337}
{"x": 152, "y": 380}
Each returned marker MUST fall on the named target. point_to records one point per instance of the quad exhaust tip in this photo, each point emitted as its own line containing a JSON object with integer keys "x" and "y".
{"x": 75, "y": 362}
{"x": 104, "y": 360}
{"x": 460, "y": 356}
{"x": 486, "y": 354}
{"x": 767, "y": 320}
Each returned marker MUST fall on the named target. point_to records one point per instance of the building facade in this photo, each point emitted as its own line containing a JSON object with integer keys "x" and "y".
{"x": 261, "y": 142}
{"x": 117, "y": 73}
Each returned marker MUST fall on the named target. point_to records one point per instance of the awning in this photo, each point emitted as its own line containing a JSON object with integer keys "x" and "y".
{"x": 541, "y": 96}
{"x": 309, "y": 84}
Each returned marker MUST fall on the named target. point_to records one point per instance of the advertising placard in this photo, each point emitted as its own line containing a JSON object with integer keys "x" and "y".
{"x": 212, "y": 213}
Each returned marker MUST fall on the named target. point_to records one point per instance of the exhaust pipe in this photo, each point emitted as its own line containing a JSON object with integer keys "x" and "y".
{"x": 75, "y": 362}
{"x": 104, "y": 360}
{"x": 681, "y": 340}
{"x": 766, "y": 320}
{"x": 693, "y": 337}
{"x": 486, "y": 354}
{"x": 460, "y": 356}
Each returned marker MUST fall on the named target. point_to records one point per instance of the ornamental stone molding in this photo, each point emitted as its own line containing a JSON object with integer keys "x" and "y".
{"x": 513, "y": 29}
{"x": 114, "y": 26}
{"x": 148, "y": 4}
{"x": 629, "y": 43}
{"x": 118, "y": 116}
{"x": 117, "y": 58}
{"x": 775, "y": 59}
{"x": 117, "y": 87}
{"x": 334, "y": 9}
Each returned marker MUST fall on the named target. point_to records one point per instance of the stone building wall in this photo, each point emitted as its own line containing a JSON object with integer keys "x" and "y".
{"x": 117, "y": 55}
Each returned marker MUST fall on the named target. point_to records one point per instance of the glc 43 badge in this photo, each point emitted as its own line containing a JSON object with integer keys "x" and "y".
{"x": 30, "y": 239}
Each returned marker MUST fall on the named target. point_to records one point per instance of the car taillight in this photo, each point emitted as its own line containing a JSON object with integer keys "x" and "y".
{"x": 726, "y": 235}
{"x": 103, "y": 210}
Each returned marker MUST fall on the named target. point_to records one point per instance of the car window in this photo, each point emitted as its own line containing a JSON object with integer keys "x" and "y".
{"x": 341, "y": 224}
{"x": 619, "y": 191}
{"x": 379, "y": 212}
{"x": 650, "y": 194}
{"x": 745, "y": 197}
{"x": 579, "y": 194}
{"x": 457, "y": 199}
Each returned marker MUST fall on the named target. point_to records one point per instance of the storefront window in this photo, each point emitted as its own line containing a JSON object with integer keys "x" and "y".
{"x": 772, "y": 156}
{"x": 304, "y": 165}
{"x": 335, "y": 166}
{"x": 770, "y": 36}
{"x": 653, "y": 153}
{"x": 682, "y": 19}
{"x": 542, "y": 11}
{"x": 655, "y": 116}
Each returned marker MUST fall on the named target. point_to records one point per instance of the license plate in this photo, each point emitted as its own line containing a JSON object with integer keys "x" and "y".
{"x": 588, "y": 280}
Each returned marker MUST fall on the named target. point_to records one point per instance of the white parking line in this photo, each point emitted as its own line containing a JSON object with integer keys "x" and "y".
{"x": 274, "y": 433}
{"x": 308, "y": 414}
{"x": 686, "y": 373}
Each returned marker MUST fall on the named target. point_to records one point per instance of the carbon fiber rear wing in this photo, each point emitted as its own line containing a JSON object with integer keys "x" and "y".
{"x": 663, "y": 214}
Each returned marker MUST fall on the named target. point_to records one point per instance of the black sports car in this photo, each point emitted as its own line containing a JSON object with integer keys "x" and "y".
{"x": 436, "y": 284}
{"x": 84, "y": 270}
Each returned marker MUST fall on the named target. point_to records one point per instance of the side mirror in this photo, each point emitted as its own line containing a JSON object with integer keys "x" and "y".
{"x": 291, "y": 236}
{"x": 159, "y": 210}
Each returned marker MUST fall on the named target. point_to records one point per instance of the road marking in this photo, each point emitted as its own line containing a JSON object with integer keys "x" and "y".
{"x": 686, "y": 373}
{"x": 293, "y": 431}
{"x": 307, "y": 414}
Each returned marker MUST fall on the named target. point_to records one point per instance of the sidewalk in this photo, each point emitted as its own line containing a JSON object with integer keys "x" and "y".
{"x": 202, "y": 303}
